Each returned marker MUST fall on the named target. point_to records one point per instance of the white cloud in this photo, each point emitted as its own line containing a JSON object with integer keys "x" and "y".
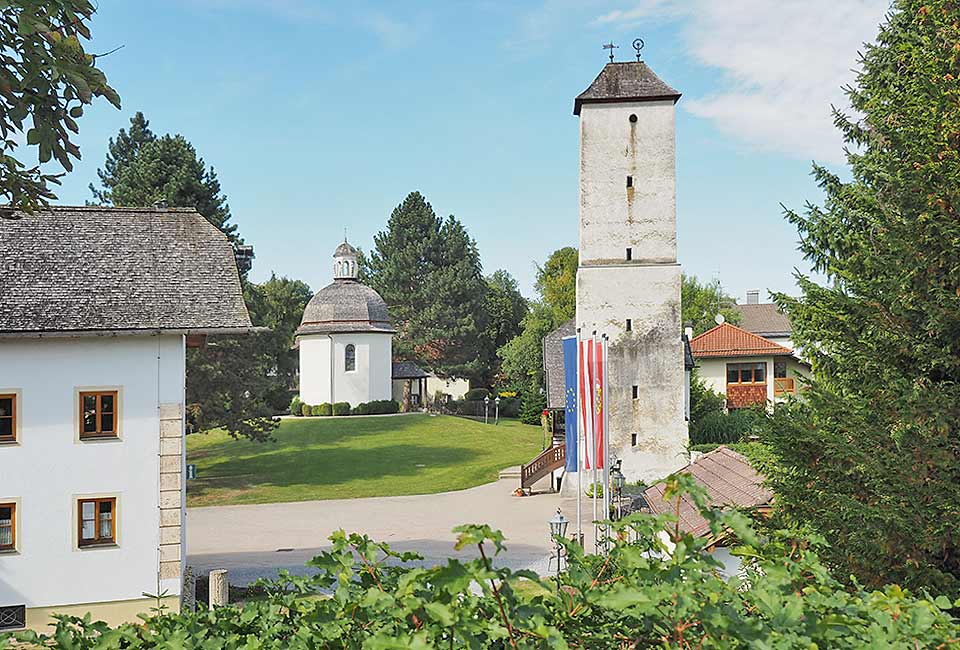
{"x": 782, "y": 64}
{"x": 390, "y": 30}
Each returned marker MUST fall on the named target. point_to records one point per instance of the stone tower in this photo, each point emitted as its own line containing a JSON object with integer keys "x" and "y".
{"x": 628, "y": 283}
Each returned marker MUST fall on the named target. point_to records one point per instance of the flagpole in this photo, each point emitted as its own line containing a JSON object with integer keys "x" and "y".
{"x": 593, "y": 438}
{"x": 606, "y": 434}
{"x": 579, "y": 436}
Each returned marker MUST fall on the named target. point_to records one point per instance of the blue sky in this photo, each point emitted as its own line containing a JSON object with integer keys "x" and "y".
{"x": 320, "y": 116}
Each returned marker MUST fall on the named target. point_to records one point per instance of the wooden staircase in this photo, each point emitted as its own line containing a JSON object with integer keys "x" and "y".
{"x": 549, "y": 460}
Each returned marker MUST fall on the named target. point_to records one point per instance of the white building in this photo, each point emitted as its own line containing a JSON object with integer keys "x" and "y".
{"x": 98, "y": 306}
{"x": 345, "y": 340}
{"x": 628, "y": 283}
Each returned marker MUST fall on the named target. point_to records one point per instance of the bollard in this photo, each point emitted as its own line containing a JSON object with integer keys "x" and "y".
{"x": 219, "y": 587}
{"x": 188, "y": 601}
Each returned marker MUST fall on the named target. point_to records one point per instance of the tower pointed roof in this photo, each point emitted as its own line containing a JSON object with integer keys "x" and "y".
{"x": 625, "y": 81}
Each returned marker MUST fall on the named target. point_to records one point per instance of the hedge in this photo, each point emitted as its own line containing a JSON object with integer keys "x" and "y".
{"x": 377, "y": 407}
{"x": 341, "y": 408}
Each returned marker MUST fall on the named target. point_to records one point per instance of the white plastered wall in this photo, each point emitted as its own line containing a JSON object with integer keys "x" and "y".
{"x": 323, "y": 377}
{"x": 50, "y": 467}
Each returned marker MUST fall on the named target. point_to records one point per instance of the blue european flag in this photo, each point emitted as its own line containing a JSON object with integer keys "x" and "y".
{"x": 570, "y": 391}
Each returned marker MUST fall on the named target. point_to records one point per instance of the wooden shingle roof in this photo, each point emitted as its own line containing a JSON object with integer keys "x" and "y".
{"x": 95, "y": 270}
{"x": 730, "y": 481}
{"x": 625, "y": 81}
{"x": 728, "y": 340}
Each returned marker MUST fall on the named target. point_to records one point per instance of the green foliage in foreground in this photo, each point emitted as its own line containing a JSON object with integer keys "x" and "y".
{"x": 642, "y": 595}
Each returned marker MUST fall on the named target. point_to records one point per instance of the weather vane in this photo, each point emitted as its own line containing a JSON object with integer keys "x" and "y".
{"x": 610, "y": 46}
{"x": 638, "y": 45}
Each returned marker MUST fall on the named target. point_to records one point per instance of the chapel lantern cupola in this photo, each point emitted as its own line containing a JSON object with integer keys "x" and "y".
{"x": 345, "y": 262}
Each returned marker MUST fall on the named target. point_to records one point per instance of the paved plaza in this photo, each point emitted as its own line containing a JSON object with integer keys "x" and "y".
{"x": 255, "y": 541}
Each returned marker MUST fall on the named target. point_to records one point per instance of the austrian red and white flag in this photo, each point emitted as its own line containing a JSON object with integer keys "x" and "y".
{"x": 591, "y": 389}
{"x": 585, "y": 381}
{"x": 599, "y": 401}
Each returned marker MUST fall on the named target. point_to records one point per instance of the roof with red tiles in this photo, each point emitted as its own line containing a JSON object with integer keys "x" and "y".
{"x": 728, "y": 340}
{"x": 730, "y": 481}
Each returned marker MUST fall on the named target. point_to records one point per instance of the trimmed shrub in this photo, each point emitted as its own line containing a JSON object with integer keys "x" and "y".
{"x": 476, "y": 394}
{"x": 296, "y": 406}
{"x": 509, "y": 407}
{"x": 341, "y": 408}
{"x": 306, "y": 409}
{"x": 377, "y": 407}
{"x": 325, "y": 409}
{"x": 316, "y": 409}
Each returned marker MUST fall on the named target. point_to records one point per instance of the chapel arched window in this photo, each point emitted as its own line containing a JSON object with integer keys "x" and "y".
{"x": 350, "y": 358}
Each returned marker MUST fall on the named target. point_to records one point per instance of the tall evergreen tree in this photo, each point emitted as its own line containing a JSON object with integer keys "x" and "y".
{"x": 429, "y": 273}
{"x": 142, "y": 169}
{"x": 871, "y": 458}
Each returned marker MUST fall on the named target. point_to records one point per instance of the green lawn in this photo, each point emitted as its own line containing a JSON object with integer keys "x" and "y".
{"x": 337, "y": 458}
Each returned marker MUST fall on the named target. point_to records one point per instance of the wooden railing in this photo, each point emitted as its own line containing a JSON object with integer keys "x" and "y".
{"x": 549, "y": 460}
{"x": 784, "y": 386}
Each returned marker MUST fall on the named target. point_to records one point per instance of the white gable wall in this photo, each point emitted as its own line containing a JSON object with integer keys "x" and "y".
{"x": 50, "y": 467}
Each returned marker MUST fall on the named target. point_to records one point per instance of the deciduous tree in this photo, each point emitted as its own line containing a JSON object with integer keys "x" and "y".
{"x": 700, "y": 304}
{"x": 46, "y": 78}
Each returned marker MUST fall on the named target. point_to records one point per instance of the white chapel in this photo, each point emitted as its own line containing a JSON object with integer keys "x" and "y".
{"x": 345, "y": 339}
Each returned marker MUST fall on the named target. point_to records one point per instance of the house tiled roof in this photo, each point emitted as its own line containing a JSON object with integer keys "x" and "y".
{"x": 730, "y": 481}
{"x": 96, "y": 270}
{"x": 728, "y": 340}
{"x": 764, "y": 319}
{"x": 553, "y": 364}
{"x": 627, "y": 81}
{"x": 408, "y": 370}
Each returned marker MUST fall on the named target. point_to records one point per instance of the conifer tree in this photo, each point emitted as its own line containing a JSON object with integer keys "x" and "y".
{"x": 429, "y": 273}
{"x": 871, "y": 459}
{"x": 142, "y": 169}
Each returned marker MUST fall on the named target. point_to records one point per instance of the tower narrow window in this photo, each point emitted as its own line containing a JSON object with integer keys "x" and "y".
{"x": 350, "y": 358}
{"x": 629, "y": 254}
{"x": 629, "y": 181}
{"x": 633, "y": 440}
{"x": 629, "y": 325}
{"x": 636, "y": 392}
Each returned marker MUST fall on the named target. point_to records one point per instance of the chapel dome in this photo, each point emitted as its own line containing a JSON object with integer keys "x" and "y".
{"x": 345, "y": 305}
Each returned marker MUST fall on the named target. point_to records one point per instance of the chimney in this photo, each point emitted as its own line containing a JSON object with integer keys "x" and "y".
{"x": 688, "y": 330}
{"x": 753, "y": 297}
{"x": 244, "y": 255}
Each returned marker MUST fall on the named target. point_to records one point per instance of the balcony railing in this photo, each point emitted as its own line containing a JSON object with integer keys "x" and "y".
{"x": 784, "y": 386}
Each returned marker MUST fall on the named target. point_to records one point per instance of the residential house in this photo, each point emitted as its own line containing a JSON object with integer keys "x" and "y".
{"x": 746, "y": 367}
{"x": 99, "y": 305}
{"x": 766, "y": 320}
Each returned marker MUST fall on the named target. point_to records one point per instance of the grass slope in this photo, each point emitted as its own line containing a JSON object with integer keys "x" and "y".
{"x": 337, "y": 458}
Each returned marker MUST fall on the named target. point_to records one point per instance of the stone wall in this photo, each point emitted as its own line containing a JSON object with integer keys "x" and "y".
{"x": 171, "y": 491}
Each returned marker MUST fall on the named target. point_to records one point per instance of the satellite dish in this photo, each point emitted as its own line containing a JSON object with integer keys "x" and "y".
{"x": 719, "y": 319}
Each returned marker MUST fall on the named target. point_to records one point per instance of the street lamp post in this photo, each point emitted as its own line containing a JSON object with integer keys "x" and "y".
{"x": 558, "y": 531}
{"x": 617, "y": 480}
{"x": 496, "y": 401}
{"x": 486, "y": 409}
